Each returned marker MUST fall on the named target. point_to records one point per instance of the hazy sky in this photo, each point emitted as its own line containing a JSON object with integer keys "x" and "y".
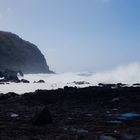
{"x": 77, "y": 35}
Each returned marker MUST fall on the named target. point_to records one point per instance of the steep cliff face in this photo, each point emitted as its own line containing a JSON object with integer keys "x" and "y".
{"x": 18, "y": 54}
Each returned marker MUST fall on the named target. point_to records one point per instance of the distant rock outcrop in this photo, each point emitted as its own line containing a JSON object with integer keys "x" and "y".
{"x": 20, "y": 55}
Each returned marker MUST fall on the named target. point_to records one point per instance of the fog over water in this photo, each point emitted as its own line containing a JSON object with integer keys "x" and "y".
{"x": 127, "y": 74}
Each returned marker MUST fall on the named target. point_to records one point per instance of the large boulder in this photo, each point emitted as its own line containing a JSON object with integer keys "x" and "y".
{"x": 24, "y": 81}
{"x": 42, "y": 118}
{"x": 40, "y": 81}
{"x": 20, "y": 55}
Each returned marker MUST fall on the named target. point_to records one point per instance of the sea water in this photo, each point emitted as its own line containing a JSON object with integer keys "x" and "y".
{"x": 52, "y": 81}
{"x": 127, "y": 74}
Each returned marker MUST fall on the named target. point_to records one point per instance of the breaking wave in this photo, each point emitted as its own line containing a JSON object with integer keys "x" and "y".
{"x": 127, "y": 74}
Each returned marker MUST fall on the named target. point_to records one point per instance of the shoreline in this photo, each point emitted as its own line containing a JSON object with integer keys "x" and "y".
{"x": 21, "y": 88}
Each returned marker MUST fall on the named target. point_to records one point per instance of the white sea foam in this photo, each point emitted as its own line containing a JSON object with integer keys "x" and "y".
{"x": 125, "y": 74}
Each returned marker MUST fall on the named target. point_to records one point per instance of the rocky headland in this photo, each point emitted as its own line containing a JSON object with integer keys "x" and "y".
{"x": 19, "y": 55}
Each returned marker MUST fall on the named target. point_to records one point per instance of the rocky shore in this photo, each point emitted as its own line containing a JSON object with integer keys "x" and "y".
{"x": 92, "y": 113}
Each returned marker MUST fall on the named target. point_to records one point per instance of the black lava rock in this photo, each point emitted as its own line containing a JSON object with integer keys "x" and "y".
{"x": 24, "y": 81}
{"x": 43, "y": 118}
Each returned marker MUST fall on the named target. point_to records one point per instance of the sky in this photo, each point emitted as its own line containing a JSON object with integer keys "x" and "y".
{"x": 77, "y": 35}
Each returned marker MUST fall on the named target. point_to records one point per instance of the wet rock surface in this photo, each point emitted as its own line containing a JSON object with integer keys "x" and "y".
{"x": 24, "y": 81}
{"x": 40, "y": 81}
{"x": 92, "y": 113}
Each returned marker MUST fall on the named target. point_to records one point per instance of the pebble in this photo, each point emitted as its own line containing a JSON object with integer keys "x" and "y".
{"x": 14, "y": 115}
{"x": 103, "y": 137}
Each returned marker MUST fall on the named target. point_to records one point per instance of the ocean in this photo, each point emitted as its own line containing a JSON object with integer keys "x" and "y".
{"x": 128, "y": 74}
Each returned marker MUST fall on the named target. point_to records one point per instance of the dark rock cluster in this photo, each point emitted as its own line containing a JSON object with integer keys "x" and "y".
{"x": 11, "y": 76}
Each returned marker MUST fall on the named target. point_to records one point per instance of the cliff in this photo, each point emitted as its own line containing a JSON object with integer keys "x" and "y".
{"x": 18, "y": 54}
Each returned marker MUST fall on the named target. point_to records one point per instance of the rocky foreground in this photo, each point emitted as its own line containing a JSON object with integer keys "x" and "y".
{"x": 92, "y": 113}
